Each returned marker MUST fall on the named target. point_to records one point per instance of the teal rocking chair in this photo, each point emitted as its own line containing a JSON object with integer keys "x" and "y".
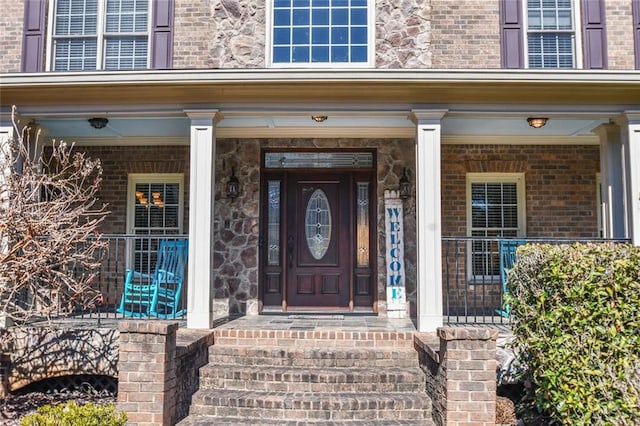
{"x": 507, "y": 250}
{"x": 157, "y": 294}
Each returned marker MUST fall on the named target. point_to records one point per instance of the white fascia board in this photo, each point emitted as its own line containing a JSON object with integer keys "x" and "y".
{"x": 304, "y": 75}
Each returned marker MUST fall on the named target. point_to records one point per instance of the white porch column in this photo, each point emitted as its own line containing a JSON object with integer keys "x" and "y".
{"x": 631, "y": 141}
{"x": 201, "y": 197}
{"x": 6, "y": 133}
{"x": 611, "y": 173}
{"x": 428, "y": 220}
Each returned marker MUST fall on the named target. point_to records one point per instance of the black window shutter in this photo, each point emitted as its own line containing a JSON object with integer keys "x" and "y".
{"x": 635, "y": 6}
{"x": 511, "y": 34}
{"x": 162, "y": 34}
{"x": 33, "y": 36}
{"x": 594, "y": 33}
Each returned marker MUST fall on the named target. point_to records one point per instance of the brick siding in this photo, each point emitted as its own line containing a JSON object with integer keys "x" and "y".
{"x": 560, "y": 185}
{"x": 465, "y": 34}
{"x": 11, "y": 23}
{"x": 620, "y": 35}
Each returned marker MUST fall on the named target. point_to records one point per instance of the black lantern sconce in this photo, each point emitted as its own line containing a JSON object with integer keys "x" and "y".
{"x": 233, "y": 186}
{"x": 404, "y": 186}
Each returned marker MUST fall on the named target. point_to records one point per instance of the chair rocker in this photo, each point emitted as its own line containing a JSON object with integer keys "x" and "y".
{"x": 507, "y": 251}
{"x": 157, "y": 294}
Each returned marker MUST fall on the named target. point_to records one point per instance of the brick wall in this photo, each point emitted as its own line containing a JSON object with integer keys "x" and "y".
{"x": 560, "y": 185}
{"x": 119, "y": 161}
{"x": 460, "y": 365}
{"x": 620, "y": 44}
{"x": 11, "y": 23}
{"x": 465, "y": 34}
{"x": 158, "y": 370}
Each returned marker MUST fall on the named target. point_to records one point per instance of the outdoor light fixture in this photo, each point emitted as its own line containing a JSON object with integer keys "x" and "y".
{"x": 319, "y": 118}
{"x": 537, "y": 122}
{"x": 233, "y": 186}
{"x": 404, "y": 187}
{"x": 98, "y": 122}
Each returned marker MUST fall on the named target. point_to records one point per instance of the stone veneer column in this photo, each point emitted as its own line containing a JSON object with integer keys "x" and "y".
{"x": 611, "y": 174}
{"x": 201, "y": 198}
{"x": 631, "y": 143}
{"x": 428, "y": 220}
{"x": 146, "y": 372}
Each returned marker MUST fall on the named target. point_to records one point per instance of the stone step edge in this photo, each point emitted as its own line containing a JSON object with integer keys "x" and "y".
{"x": 295, "y": 374}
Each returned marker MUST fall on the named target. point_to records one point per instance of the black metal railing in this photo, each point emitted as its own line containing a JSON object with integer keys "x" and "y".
{"x": 471, "y": 280}
{"x": 120, "y": 254}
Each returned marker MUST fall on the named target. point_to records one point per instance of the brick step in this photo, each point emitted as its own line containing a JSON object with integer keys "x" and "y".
{"x": 304, "y": 379}
{"x": 313, "y": 356}
{"x": 315, "y": 338}
{"x": 203, "y": 420}
{"x": 309, "y": 406}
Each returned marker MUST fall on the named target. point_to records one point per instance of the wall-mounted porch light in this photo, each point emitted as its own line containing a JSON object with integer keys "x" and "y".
{"x": 98, "y": 122}
{"x": 537, "y": 122}
{"x": 404, "y": 186}
{"x": 233, "y": 186}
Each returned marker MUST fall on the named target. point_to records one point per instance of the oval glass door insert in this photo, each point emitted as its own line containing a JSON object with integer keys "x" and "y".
{"x": 318, "y": 224}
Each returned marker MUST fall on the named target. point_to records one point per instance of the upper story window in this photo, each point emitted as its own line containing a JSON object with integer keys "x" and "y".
{"x": 551, "y": 34}
{"x": 99, "y": 34}
{"x": 321, "y": 33}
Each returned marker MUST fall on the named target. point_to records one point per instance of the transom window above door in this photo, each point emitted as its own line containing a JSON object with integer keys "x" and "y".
{"x": 320, "y": 33}
{"x": 99, "y": 34}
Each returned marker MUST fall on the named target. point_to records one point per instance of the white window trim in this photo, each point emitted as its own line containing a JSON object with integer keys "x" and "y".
{"x": 519, "y": 180}
{"x": 100, "y": 34}
{"x": 577, "y": 36}
{"x": 135, "y": 178}
{"x": 371, "y": 40}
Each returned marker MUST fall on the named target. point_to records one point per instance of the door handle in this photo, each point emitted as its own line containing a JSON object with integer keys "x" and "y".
{"x": 290, "y": 245}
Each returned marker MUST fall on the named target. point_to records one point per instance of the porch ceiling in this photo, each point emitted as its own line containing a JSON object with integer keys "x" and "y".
{"x": 277, "y": 103}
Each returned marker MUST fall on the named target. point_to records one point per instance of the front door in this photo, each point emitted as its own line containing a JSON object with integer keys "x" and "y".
{"x": 318, "y": 229}
{"x": 318, "y": 248}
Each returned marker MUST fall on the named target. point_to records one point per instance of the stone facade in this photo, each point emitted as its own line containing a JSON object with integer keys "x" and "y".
{"x": 411, "y": 34}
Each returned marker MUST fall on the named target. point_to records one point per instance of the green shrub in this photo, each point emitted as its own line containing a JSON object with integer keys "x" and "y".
{"x": 72, "y": 414}
{"x": 576, "y": 323}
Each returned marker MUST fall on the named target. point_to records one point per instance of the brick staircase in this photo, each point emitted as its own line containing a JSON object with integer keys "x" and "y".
{"x": 319, "y": 377}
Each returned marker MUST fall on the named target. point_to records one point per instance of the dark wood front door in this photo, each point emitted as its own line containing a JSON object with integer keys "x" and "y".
{"x": 318, "y": 234}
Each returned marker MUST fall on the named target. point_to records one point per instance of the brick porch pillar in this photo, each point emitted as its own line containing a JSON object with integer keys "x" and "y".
{"x": 146, "y": 372}
{"x": 468, "y": 358}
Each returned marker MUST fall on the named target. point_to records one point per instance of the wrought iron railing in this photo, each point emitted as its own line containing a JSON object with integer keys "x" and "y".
{"x": 472, "y": 285}
{"x": 123, "y": 252}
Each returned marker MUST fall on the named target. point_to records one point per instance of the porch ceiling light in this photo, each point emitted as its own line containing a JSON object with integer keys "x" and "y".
{"x": 319, "y": 118}
{"x": 537, "y": 122}
{"x": 98, "y": 122}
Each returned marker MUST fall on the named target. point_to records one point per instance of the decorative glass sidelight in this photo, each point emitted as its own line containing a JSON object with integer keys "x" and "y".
{"x": 273, "y": 220}
{"x": 362, "y": 225}
{"x": 318, "y": 224}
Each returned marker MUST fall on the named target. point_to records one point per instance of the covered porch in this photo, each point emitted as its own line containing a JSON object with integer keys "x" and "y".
{"x": 454, "y": 133}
